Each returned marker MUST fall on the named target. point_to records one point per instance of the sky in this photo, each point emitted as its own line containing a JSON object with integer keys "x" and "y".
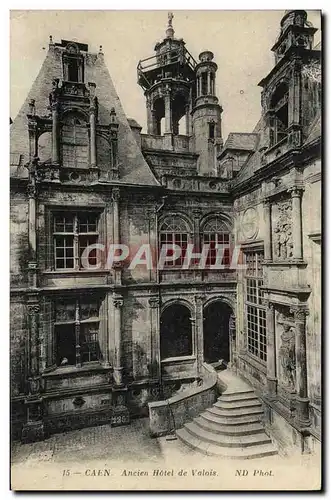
{"x": 240, "y": 40}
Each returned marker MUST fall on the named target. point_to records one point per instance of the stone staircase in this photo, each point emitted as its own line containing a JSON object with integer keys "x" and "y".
{"x": 231, "y": 428}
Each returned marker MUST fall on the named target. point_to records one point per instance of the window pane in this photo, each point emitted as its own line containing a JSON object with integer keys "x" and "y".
{"x": 64, "y": 251}
{"x": 65, "y": 345}
{"x": 89, "y": 343}
{"x": 65, "y": 311}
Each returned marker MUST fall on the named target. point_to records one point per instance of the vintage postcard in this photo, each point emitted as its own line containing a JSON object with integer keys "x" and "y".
{"x": 165, "y": 185}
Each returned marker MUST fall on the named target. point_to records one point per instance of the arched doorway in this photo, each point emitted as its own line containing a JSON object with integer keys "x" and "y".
{"x": 175, "y": 331}
{"x": 216, "y": 342}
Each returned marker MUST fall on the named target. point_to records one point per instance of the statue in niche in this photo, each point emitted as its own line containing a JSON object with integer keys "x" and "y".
{"x": 287, "y": 355}
{"x": 283, "y": 240}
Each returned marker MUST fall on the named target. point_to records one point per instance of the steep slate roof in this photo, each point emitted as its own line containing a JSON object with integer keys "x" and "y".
{"x": 133, "y": 168}
{"x": 254, "y": 160}
{"x": 315, "y": 129}
{"x": 242, "y": 141}
{"x": 133, "y": 123}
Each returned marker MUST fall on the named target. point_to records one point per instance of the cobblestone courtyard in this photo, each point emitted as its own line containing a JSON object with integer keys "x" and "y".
{"x": 81, "y": 460}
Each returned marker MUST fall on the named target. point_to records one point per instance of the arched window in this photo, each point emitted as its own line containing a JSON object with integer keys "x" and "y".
{"x": 74, "y": 141}
{"x": 174, "y": 231}
{"x": 215, "y": 233}
{"x": 279, "y": 114}
{"x": 176, "y": 332}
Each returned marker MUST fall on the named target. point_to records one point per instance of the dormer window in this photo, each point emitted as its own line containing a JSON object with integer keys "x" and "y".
{"x": 73, "y": 64}
{"x": 279, "y": 114}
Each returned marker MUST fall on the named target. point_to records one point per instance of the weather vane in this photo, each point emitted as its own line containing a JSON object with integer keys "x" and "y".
{"x": 170, "y": 18}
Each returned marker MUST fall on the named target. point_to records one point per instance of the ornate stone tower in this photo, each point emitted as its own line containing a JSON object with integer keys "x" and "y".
{"x": 290, "y": 91}
{"x": 206, "y": 113}
{"x": 168, "y": 79}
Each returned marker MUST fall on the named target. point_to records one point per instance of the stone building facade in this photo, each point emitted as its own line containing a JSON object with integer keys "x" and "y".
{"x": 94, "y": 344}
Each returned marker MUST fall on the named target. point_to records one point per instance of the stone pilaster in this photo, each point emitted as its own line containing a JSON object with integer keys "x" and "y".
{"x": 267, "y": 239}
{"x": 188, "y": 120}
{"x": 168, "y": 119}
{"x": 33, "y": 429}
{"x": 32, "y": 191}
{"x": 55, "y": 133}
{"x": 32, "y": 130}
{"x": 271, "y": 350}
{"x": 296, "y": 194}
{"x": 93, "y": 156}
{"x": 302, "y": 401}
{"x": 118, "y": 369}
{"x": 199, "y": 332}
{"x": 77, "y": 335}
{"x": 117, "y": 266}
{"x": 154, "y": 304}
{"x": 232, "y": 339}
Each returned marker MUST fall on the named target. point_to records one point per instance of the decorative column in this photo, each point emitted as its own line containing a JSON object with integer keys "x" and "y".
{"x": 196, "y": 235}
{"x": 32, "y": 230}
{"x": 120, "y": 411}
{"x": 302, "y": 401}
{"x": 267, "y": 239}
{"x": 55, "y": 121}
{"x": 117, "y": 266}
{"x": 188, "y": 120}
{"x": 198, "y": 88}
{"x": 113, "y": 129}
{"x": 232, "y": 335}
{"x": 118, "y": 303}
{"x": 271, "y": 350}
{"x": 208, "y": 83}
{"x": 93, "y": 156}
{"x": 154, "y": 304}
{"x": 116, "y": 222}
{"x": 33, "y": 429}
{"x": 294, "y": 100}
{"x": 199, "y": 332}
{"x": 77, "y": 335}
{"x": 167, "y": 108}
{"x": 296, "y": 194}
{"x": 32, "y": 129}
{"x": 149, "y": 117}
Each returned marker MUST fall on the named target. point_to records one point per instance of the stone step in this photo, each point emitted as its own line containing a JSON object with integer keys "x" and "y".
{"x": 237, "y": 397}
{"x": 229, "y": 421}
{"x": 236, "y": 412}
{"x": 250, "y": 452}
{"x": 250, "y": 403}
{"x": 229, "y": 430}
{"x": 224, "y": 440}
{"x": 239, "y": 394}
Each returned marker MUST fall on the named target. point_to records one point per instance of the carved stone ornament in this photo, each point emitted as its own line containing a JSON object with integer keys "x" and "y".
{"x": 249, "y": 224}
{"x": 282, "y": 231}
{"x": 287, "y": 356}
{"x": 154, "y": 302}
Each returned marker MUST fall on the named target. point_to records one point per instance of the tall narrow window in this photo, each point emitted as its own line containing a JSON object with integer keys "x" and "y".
{"x": 77, "y": 331}
{"x": 211, "y": 130}
{"x": 279, "y": 114}
{"x": 73, "y": 70}
{"x": 174, "y": 231}
{"x": 255, "y": 311}
{"x": 75, "y": 142}
{"x": 72, "y": 234}
{"x": 215, "y": 233}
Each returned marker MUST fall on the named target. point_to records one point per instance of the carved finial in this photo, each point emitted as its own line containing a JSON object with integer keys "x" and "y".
{"x": 100, "y": 49}
{"x": 113, "y": 115}
{"x": 50, "y": 40}
{"x": 32, "y": 107}
{"x": 170, "y": 30}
